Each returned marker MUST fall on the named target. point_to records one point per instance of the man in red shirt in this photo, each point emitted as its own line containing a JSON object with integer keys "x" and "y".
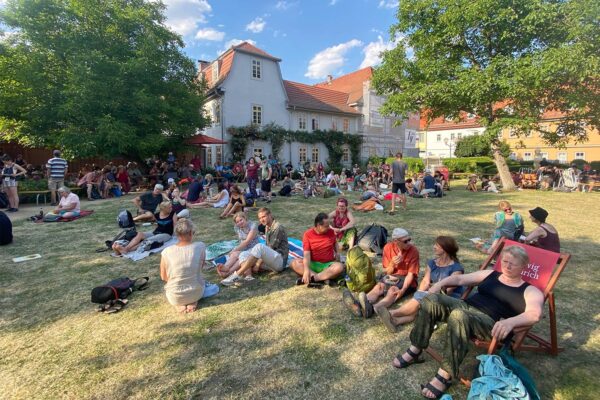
{"x": 321, "y": 255}
{"x": 401, "y": 265}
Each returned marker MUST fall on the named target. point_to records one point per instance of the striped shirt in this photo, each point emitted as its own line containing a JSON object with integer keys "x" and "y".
{"x": 57, "y": 167}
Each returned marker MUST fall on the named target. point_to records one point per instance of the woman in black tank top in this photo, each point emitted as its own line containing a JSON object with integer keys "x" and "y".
{"x": 237, "y": 202}
{"x": 503, "y": 302}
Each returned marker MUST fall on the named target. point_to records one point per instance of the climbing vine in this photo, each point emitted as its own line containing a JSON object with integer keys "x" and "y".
{"x": 277, "y": 136}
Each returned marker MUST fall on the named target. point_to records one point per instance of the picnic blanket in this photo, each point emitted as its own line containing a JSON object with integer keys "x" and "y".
{"x": 294, "y": 244}
{"x": 82, "y": 213}
{"x": 219, "y": 248}
{"x": 140, "y": 255}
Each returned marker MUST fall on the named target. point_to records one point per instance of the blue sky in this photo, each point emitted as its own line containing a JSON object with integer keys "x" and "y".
{"x": 313, "y": 38}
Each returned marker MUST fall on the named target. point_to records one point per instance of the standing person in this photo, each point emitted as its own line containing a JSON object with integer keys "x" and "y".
{"x": 10, "y": 172}
{"x": 56, "y": 171}
{"x": 321, "y": 254}
{"x": 252, "y": 176}
{"x": 271, "y": 256}
{"x": 266, "y": 172}
{"x": 399, "y": 168}
{"x": 123, "y": 179}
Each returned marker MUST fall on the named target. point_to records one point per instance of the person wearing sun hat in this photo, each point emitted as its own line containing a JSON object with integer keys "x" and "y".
{"x": 545, "y": 236}
{"x": 401, "y": 266}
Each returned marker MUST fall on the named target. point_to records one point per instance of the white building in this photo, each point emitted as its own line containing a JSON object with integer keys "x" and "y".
{"x": 439, "y": 138}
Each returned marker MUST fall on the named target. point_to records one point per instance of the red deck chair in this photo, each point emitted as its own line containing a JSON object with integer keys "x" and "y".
{"x": 543, "y": 271}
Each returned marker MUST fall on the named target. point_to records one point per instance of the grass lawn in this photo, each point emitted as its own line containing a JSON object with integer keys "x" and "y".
{"x": 267, "y": 339}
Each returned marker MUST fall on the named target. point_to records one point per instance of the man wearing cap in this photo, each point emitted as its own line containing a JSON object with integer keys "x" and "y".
{"x": 401, "y": 265}
{"x": 545, "y": 236}
{"x": 148, "y": 202}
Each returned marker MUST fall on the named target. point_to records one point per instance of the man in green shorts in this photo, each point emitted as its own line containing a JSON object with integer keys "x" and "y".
{"x": 321, "y": 256}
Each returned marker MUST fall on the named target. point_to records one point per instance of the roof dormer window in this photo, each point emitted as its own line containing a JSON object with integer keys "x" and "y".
{"x": 215, "y": 71}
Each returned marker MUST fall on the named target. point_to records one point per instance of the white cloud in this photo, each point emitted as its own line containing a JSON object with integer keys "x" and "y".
{"x": 388, "y": 4}
{"x": 373, "y": 50}
{"x": 284, "y": 5}
{"x": 235, "y": 42}
{"x": 210, "y": 34}
{"x": 184, "y": 16}
{"x": 329, "y": 60}
{"x": 257, "y": 25}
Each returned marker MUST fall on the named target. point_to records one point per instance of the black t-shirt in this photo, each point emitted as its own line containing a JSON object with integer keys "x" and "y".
{"x": 150, "y": 201}
{"x": 165, "y": 225}
{"x": 6, "y": 236}
{"x": 194, "y": 191}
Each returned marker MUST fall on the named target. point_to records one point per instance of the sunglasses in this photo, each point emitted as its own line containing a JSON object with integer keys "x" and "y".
{"x": 405, "y": 241}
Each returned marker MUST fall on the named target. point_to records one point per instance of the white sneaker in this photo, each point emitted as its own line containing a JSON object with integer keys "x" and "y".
{"x": 249, "y": 278}
{"x": 231, "y": 279}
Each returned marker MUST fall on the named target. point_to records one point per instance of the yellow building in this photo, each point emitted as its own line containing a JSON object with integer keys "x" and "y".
{"x": 532, "y": 146}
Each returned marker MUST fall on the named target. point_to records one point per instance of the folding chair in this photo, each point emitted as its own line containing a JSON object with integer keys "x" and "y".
{"x": 543, "y": 271}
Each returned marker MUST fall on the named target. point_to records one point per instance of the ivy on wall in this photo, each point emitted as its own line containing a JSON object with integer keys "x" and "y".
{"x": 277, "y": 136}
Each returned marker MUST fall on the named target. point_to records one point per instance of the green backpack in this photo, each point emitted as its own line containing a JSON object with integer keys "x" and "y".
{"x": 360, "y": 271}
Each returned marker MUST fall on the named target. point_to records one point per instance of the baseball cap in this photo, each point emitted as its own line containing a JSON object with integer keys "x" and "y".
{"x": 397, "y": 233}
{"x": 170, "y": 180}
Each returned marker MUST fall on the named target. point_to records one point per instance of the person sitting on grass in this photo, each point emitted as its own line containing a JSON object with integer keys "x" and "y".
{"x": 237, "y": 202}
{"x": 544, "y": 236}
{"x": 443, "y": 265}
{"x": 179, "y": 203}
{"x": 89, "y": 180}
{"x": 271, "y": 256}
{"x": 401, "y": 265}
{"x": 503, "y": 302}
{"x": 472, "y": 184}
{"x": 247, "y": 233}
{"x": 68, "y": 206}
{"x": 181, "y": 270}
{"x": 342, "y": 222}
{"x": 219, "y": 200}
{"x": 321, "y": 254}
{"x": 194, "y": 192}
{"x": 147, "y": 204}
{"x": 165, "y": 220}
{"x": 509, "y": 224}
{"x": 428, "y": 185}
{"x": 488, "y": 185}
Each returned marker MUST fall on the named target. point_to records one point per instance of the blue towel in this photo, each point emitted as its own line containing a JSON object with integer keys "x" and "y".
{"x": 496, "y": 382}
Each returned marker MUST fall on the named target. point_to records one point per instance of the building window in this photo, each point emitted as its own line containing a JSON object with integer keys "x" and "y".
{"x": 256, "y": 71}
{"x": 215, "y": 72}
{"x": 257, "y": 152}
{"x": 438, "y": 137}
{"x": 302, "y": 122}
{"x": 544, "y": 155}
{"x": 219, "y": 154}
{"x": 580, "y": 155}
{"x": 209, "y": 156}
{"x": 345, "y": 154}
{"x": 257, "y": 115}
{"x": 452, "y": 136}
{"x": 217, "y": 113}
{"x": 333, "y": 124}
{"x": 562, "y": 157}
{"x": 470, "y": 115}
{"x": 513, "y": 156}
{"x": 315, "y": 124}
{"x": 302, "y": 155}
{"x": 315, "y": 155}
{"x": 459, "y": 135}
{"x": 345, "y": 125}
{"x": 449, "y": 118}
{"x": 527, "y": 156}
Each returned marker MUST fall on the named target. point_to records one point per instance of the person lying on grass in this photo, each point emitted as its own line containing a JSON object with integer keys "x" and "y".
{"x": 165, "y": 220}
{"x": 342, "y": 223}
{"x": 502, "y": 303}
{"x": 247, "y": 233}
{"x": 321, "y": 254}
{"x": 401, "y": 265}
{"x": 443, "y": 265}
{"x": 181, "y": 269}
{"x": 237, "y": 202}
{"x": 147, "y": 203}
{"x": 271, "y": 256}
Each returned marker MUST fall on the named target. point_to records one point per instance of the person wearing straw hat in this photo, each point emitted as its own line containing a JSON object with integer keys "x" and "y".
{"x": 545, "y": 236}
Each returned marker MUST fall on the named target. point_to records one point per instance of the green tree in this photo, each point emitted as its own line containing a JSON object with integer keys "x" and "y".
{"x": 479, "y": 146}
{"x": 96, "y": 78}
{"x": 507, "y": 61}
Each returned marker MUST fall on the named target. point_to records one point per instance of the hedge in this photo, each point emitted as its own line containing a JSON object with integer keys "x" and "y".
{"x": 415, "y": 164}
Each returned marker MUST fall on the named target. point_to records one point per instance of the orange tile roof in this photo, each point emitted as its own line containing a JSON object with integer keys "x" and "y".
{"x": 225, "y": 60}
{"x": 317, "y": 98}
{"x": 351, "y": 83}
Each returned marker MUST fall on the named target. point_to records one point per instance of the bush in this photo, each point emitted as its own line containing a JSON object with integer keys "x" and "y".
{"x": 415, "y": 164}
{"x": 467, "y": 164}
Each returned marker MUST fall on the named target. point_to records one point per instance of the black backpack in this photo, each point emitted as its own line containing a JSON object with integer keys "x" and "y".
{"x": 118, "y": 289}
{"x": 3, "y": 200}
{"x": 373, "y": 238}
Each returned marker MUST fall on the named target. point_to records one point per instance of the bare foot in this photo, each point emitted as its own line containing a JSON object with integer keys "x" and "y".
{"x": 120, "y": 249}
{"x": 191, "y": 307}
{"x": 181, "y": 309}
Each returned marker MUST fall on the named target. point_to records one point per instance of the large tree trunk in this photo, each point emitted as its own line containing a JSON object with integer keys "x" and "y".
{"x": 508, "y": 184}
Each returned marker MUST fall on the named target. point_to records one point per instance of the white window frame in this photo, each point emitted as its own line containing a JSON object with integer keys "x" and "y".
{"x": 345, "y": 154}
{"x": 459, "y": 135}
{"x": 333, "y": 124}
{"x": 452, "y": 136}
{"x": 562, "y": 157}
{"x": 544, "y": 155}
{"x": 314, "y": 155}
{"x": 345, "y": 125}
{"x": 301, "y": 122}
{"x": 219, "y": 154}
{"x": 314, "y": 123}
{"x": 257, "y": 151}
{"x": 302, "y": 154}
{"x": 209, "y": 162}
{"x": 217, "y": 113}
{"x": 257, "y": 112}
{"x": 527, "y": 156}
{"x": 579, "y": 155}
{"x": 438, "y": 138}
{"x": 256, "y": 69}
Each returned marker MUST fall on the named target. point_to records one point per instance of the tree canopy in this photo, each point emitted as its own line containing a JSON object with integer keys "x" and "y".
{"x": 479, "y": 146}
{"x": 508, "y": 61}
{"x": 96, "y": 78}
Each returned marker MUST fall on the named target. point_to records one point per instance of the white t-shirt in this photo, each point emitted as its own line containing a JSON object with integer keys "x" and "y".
{"x": 72, "y": 198}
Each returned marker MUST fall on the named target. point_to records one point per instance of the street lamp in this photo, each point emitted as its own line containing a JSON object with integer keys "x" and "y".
{"x": 449, "y": 143}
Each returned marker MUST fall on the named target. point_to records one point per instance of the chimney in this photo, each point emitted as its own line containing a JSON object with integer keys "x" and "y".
{"x": 203, "y": 64}
{"x": 329, "y": 79}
